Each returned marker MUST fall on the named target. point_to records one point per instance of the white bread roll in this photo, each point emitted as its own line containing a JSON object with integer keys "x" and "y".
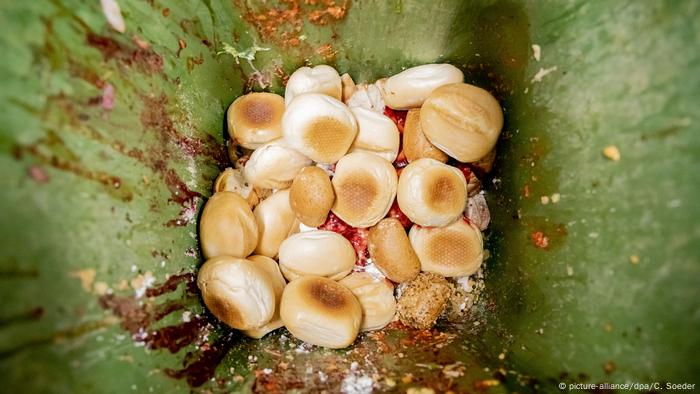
{"x": 365, "y": 187}
{"x": 376, "y": 134}
{"x": 455, "y": 250}
{"x": 316, "y": 252}
{"x": 320, "y": 79}
{"x": 276, "y": 221}
{"x": 376, "y": 298}
{"x": 237, "y": 292}
{"x": 274, "y": 165}
{"x": 431, "y": 193}
{"x": 462, "y": 120}
{"x": 278, "y": 283}
{"x": 321, "y": 312}
{"x": 319, "y": 126}
{"x": 227, "y": 226}
{"x": 255, "y": 119}
{"x": 409, "y": 88}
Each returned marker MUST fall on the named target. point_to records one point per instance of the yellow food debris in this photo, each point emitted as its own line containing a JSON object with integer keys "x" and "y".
{"x": 420, "y": 390}
{"x": 544, "y": 200}
{"x": 555, "y": 198}
{"x": 612, "y": 153}
{"x": 86, "y": 276}
{"x": 634, "y": 259}
{"x": 389, "y": 382}
{"x": 502, "y": 356}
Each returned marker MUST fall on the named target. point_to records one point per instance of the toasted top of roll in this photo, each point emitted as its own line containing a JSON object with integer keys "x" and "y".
{"x": 237, "y": 292}
{"x": 376, "y": 134}
{"x": 431, "y": 193}
{"x": 409, "y": 88}
{"x": 455, "y": 250}
{"x": 462, "y": 120}
{"x": 376, "y": 297}
{"x": 316, "y": 252}
{"x": 320, "y": 79}
{"x": 319, "y": 126}
{"x": 278, "y": 283}
{"x": 311, "y": 196}
{"x": 415, "y": 145}
{"x": 274, "y": 165}
{"x": 275, "y": 220}
{"x": 255, "y": 118}
{"x": 391, "y": 251}
{"x": 321, "y": 311}
{"x": 227, "y": 226}
{"x": 365, "y": 187}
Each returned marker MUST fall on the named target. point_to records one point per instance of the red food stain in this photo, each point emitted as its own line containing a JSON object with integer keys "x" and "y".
{"x": 38, "y": 174}
{"x": 397, "y": 116}
{"x": 539, "y": 239}
{"x": 356, "y": 236}
{"x": 397, "y": 213}
{"x": 464, "y": 167}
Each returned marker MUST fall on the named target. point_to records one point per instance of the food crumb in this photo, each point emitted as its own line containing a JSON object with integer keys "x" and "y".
{"x": 612, "y": 153}
{"x": 539, "y": 239}
{"x": 536, "y": 52}
{"x": 634, "y": 259}
{"x": 569, "y": 270}
{"x": 420, "y": 390}
{"x": 390, "y": 382}
{"x": 542, "y": 73}
{"x": 544, "y": 200}
{"x": 502, "y": 356}
{"x": 555, "y": 198}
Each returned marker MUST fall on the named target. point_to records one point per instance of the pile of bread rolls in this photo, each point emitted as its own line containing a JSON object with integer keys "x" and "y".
{"x": 327, "y": 148}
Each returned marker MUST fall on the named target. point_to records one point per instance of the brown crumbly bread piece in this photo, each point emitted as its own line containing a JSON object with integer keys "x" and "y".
{"x": 423, "y": 300}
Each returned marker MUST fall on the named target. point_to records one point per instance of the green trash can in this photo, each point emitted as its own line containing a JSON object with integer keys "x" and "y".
{"x": 112, "y": 136}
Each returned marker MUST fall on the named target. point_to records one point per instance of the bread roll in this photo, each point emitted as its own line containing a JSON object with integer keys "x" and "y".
{"x": 391, "y": 251}
{"x": 255, "y": 119}
{"x": 319, "y": 126}
{"x": 227, "y": 226}
{"x": 275, "y": 220}
{"x": 431, "y": 193}
{"x": 462, "y": 120}
{"x": 274, "y": 165}
{"x": 376, "y": 297}
{"x": 311, "y": 196}
{"x": 316, "y": 252}
{"x": 321, "y": 311}
{"x": 377, "y": 134}
{"x": 237, "y": 292}
{"x": 409, "y": 88}
{"x": 365, "y": 187}
{"x": 455, "y": 250}
{"x": 233, "y": 180}
{"x": 278, "y": 283}
{"x": 415, "y": 145}
{"x": 320, "y": 79}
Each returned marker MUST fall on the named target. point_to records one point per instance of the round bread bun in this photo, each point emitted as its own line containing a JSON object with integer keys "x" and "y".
{"x": 319, "y": 126}
{"x": 316, "y": 252}
{"x": 274, "y": 165}
{"x": 462, "y": 120}
{"x": 392, "y": 252}
{"x": 376, "y": 296}
{"x": 409, "y": 88}
{"x": 275, "y": 220}
{"x": 311, "y": 196}
{"x": 455, "y": 250}
{"x": 237, "y": 291}
{"x": 227, "y": 226}
{"x": 320, "y": 79}
{"x": 278, "y": 283}
{"x": 415, "y": 145}
{"x": 365, "y": 187}
{"x": 233, "y": 180}
{"x": 431, "y": 193}
{"x": 255, "y": 119}
{"x": 321, "y": 312}
{"x": 376, "y": 134}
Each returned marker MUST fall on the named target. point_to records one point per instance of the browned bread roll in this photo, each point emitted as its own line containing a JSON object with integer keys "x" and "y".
{"x": 392, "y": 252}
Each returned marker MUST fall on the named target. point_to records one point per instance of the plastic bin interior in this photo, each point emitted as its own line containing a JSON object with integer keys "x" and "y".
{"x": 110, "y": 141}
